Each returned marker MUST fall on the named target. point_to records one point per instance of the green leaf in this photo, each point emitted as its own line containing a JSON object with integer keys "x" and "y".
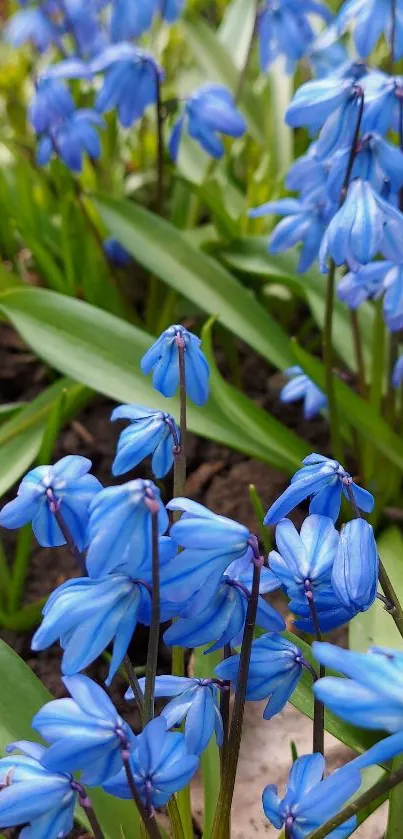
{"x": 164, "y": 251}
{"x": 104, "y": 353}
{"x": 21, "y": 696}
{"x": 210, "y": 759}
{"x": 395, "y": 817}
{"x": 235, "y": 30}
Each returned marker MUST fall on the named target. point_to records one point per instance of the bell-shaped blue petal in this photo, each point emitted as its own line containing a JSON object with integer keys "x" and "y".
{"x": 306, "y": 558}
{"x": 162, "y": 359}
{"x": 72, "y": 139}
{"x": 52, "y": 101}
{"x": 131, "y": 81}
{"x": 301, "y": 386}
{"x": 209, "y": 112}
{"x": 34, "y": 26}
{"x": 370, "y": 20}
{"x": 285, "y": 29}
{"x": 355, "y": 568}
{"x": 367, "y": 282}
{"x": 150, "y": 432}
{"x": 116, "y": 253}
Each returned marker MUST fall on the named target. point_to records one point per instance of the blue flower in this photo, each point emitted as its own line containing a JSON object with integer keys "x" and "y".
{"x": 355, "y": 568}
{"x": 325, "y": 59}
{"x": 397, "y": 376}
{"x": 195, "y": 700}
{"x": 209, "y": 111}
{"x": 310, "y": 801}
{"x": 331, "y": 612}
{"x": 376, "y": 161}
{"x": 357, "y": 286}
{"x": 275, "y": 669}
{"x": 120, "y": 527}
{"x": 307, "y": 174}
{"x": 372, "y": 696}
{"x": 323, "y": 480}
{"x": 301, "y": 386}
{"x": 67, "y": 485}
{"x": 52, "y": 102}
{"x": 304, "y": 560}
{"x": 81, "y": 21}
{"x": 129, "y": 20}
{"x": 383, "y": 94}
{"x": 71, "y": 139}
{"x": 32, "y": 25}
{"x": 371, "y": 20}
{"x": 31, "y": 793}
{"x": 160, "y": 765}
{"x": 163, "y": 359}
{"x": 86, "y": 732}
{"x": 116, "y": 253}
{"x": 130, "y": 84}
{"x": 150, "y": 432}
{"x": 365, "y": 225}
{"x": 306, "y": 222}
{"x": 284, "y": 29}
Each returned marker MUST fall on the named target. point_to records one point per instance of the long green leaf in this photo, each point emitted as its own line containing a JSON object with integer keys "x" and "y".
{"x": 235, "y": 30}
{"x": 21, "y": 696}
{"x": 162, "y": 249}
{"x": 104, "y": 353}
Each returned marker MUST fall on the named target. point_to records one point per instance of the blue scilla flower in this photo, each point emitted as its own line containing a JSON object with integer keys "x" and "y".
{"x": 52, "y": 102}
{"x": 372, "y": 696}
{"x": 325, "y": 59}
{"x": 397, "y": 375}
{"x": 116, "y": 253}
{"x": 365, "y": 225}
{"x": 355, "y": 568}
{"x": 194, "y": 700}
{"x": 82, "y": 22}
{"x": 130, "y": 84}
{"x": 306, "y": 222}
{"x": 357, "y": 286}
{"x": 275, "y": 669}
{"x": 120, "y": 527}
{"x": 307, "y": 174}
{"x": 160, "y": 763}
{"x": 32, "y": 25}
{"x": 284, "y": 29}
{"x": 383, "y": 95}
{"x": 309, "y": 800}
{"x": 32, "y": 794}
{"x": 376, "y": 161}
{"x": 210, "y": 111}
{"x": 304, "y": 561}
{"x": 67, "y": 486}
{"x": 71, "y": 139}
{"x": 129, "y": 20}
{"x": 149, "y": 432}
{"x": 86, "y": 732}
{"x": 331, "y": 612}
{"x": 323, "y": 480}
{"x": 371, "y": 19}
{"x": 301, "y": 386}
{"x": 162, "y": 359}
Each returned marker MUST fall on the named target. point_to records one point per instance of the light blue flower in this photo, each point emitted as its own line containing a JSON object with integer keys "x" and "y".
{"x": 324, "y": 60}
{"x": 208, "y": 112}
{"x": 120, "y": 527}
{"x": 301, "y": 386}
{"x": 116, "y": 253}
{"x": 162, "y": 359}
{"x": 309, "y": 800}
{"x": 52, "y": 101}
{"x": 383, "y": 94}
{"x": 371, "y": 19}
{"x": 323, "y": 480}
{"x": 397, "y": 376}
{"x": 357, "y": 286}
{"x": 68, "y": 485}
{"x": 130, "y": 20}
{"x": 284, "y": 29}
{"x": 194, "y": 700}
{"x": 86, "y": 732}
{"x": 355, "y": 568}
{"x": 130, "y": 84}
{"x": 308, "y": 174}
{"x": 82, "y": 22}
{"x": 160, "y": 763}
{"x": 304, "y": 560}
{"x": 32, "y": 794}
{"x": 71, "y": 139}
{"x": 330, "y": 611}
{"x": 150, "y": 432}
{"x": 32, "y": 25}
{"x": 376, "y": 161}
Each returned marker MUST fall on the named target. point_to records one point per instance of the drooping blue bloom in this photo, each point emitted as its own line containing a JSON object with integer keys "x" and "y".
{"x": 304, "y": 560}
{"x": 372, "y": 696}
{"x": 371, "y": 19}
{"x": 82, "y": 22}
{"x": 129, "y": 20}
{"x": 162, "y": 359}
{"x": 323, "y": 480}
{"x": 376, "y": 161}
{"x": 130, "y": 84}
{"x": 325, "y": 59}
{"x": 52, "y": 102}
{"x": 71, "y": 139}
{"x": 66, "y": 484}
{"x": 357, "y": 286}
{"x": 330, "y": 611}
{"x": 160, "y": 763}
{"x": 120, "y": 527}
{"x": 383, "y": 94}
{"x": 194, "y": 700}
{"x": 86, "y": 732}
{"x": 306, "y": 221}
{"x": 355, "y": 568}
{"x": 308, "y": 174}
{"x": 34, "y": 26}
{"x": 310, "y": 801}
{"x": 397, "y": 376}
{"x": 301, "y": 386}
{"x": 32, "y": 794}
{"x": 116, "y": 253}
{"x": 150, "y": 432}
{"x": 208, "y": 112}
{"x": 275, "y": 669}
{"x": 284, "y": 29}
{"x": 365, "y": 225}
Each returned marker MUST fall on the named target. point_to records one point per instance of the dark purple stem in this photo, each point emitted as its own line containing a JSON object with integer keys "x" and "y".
{"x": 318, "y": 707}
{"x": 54, "y": 508}
{"x": 150, "y": 822}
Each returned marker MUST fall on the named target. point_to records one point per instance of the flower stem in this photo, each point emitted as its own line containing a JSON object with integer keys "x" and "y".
{"x": 393, "y": 37}
{"x": 383, "y": 786}
{"x": 134, "y": 684}
{"x": 178, "y": 655}
{"x": 225, "y": 696}
{"x": 54, "y": 509}
{"x": 95, "y": 826}
{"x": 318, "y": 707}
{"x": 160, "y": 148}
{"x": 150, "y": 822}
{"x": 244, "y": 72}
{"x": 327, "y": 351}
{"x": 223, "y": 810}
{"x": 153, "y": 642}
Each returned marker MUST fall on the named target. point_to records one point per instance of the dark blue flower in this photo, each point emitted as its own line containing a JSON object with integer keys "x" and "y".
{"x": 160, "y": 763}
{"x": 71, "y": 139}
{"x": 52, "y": 102}
{"x": 150, "y": 432}
{"x": 86, "y": 732}
{"x": 355, "y": 568}
{"x": 371, "y": 19}
{"x": 32, "y": 794}
{"x": 116, "y": 253}
{"x": 163, "y": 360}
{"x": 210, "y": 111}
{"x": 323, "y": 480}
{"x": 196, "y": 701}
{"x": 301, "y": 386}
{"x": 284, "y": 29}
{"x": 275, "y": 669}
{"x": 67, "y": 485}
{"x": 397, "y": 376}
{"x": 32, "y": 25}
{"x": 130, "y": 84}
{"x": 309, "y": 800}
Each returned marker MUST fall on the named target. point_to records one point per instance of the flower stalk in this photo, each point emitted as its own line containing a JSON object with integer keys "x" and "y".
{"x": 149, "y": 820}
{"x": 318, "y": 745}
